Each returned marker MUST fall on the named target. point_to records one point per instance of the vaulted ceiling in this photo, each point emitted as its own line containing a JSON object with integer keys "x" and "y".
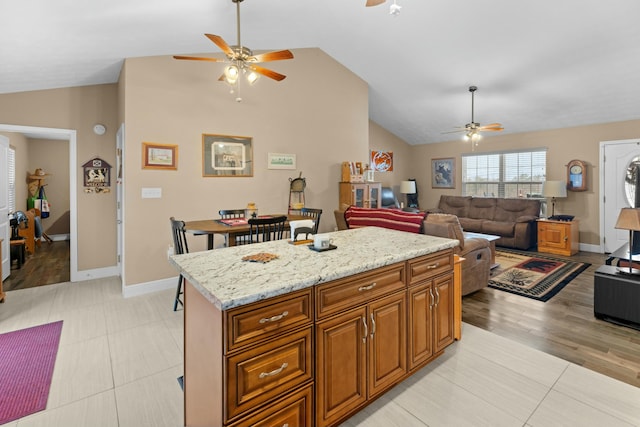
{"x": 538, "y": 65}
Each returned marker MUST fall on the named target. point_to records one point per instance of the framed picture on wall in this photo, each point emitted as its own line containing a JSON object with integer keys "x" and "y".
{"x": 382, "y": 161}
{"x": 443, "y": 172}
{"x": 159, "y": 156}
{"x": 226, "y": 155}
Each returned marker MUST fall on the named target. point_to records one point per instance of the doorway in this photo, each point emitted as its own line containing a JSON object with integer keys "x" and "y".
{"x": 615, "y": 159}
{"x": 69, "y": 136}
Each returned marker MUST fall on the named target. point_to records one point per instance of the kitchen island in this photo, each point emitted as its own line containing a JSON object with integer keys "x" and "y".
{"x": 310, "y": 338}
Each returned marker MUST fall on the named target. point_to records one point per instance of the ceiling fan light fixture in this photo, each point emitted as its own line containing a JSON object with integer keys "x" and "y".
{"x": 252, "y": 77}
{"x": 231, "y": 74}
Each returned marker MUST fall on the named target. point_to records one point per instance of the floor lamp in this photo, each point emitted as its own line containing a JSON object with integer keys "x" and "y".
{"x": 629, "y": 219}
{"x": 554, "y": 189}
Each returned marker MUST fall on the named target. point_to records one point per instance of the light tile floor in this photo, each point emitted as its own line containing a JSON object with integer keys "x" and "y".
{"x": 119, "y": 359}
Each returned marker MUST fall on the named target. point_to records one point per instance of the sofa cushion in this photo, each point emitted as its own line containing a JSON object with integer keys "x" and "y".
{"x": 504, "y": 229}
{"x": 470, "y": 224}
{"x": 512, "y": 209}
{"x": 455, "y": 205}
{"x": 387, "y": 218}
{"x": 482, "y": 208}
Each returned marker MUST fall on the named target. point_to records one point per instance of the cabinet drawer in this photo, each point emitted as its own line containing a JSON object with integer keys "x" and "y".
{"x": 293, "y": 411}
{"x": 251, "y": 323}
{"x": 343, "y": 294}
{"x": 429, "y": 266}
{"x": 265, "y": 372}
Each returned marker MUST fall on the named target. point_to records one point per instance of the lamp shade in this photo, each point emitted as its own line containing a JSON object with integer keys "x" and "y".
{"x": 629, "y": 219}
{"x": 554, "y": 189}
{"x": 408, "y": 187}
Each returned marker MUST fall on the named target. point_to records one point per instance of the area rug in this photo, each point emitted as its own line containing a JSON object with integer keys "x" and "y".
{"x": 535, "y": 276}
{"x": 27, "y": 358}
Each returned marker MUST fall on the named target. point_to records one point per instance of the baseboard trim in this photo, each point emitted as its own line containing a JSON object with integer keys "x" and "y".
{"x": 590, "y": 248}
{"x": 148, "y": 287}
{"x": 58, "y": 237}
{"x": 96, "y": 273}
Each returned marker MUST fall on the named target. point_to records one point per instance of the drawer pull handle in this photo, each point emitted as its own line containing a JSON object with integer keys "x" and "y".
{"x": 432, "y": 266}
{"x": 367, "y": 288}
{"x": 373, "y": 326}
{"x": 274, "y": 318}
{"x": 366, "y": 329}
{"x": 274, "y": 372}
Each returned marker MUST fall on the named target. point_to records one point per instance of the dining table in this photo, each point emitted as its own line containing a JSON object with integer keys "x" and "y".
{"x": 232, "y": 227}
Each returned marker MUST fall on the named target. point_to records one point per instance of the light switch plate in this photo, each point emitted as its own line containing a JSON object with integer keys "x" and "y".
{"x": 152, "y": 193}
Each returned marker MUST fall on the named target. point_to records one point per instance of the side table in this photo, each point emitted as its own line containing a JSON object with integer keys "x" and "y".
{"x": 558, "y": 237}
{"x": 616, "y": 296}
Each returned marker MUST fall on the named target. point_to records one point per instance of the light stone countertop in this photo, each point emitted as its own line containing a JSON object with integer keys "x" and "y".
{"x": 228, "y": 282}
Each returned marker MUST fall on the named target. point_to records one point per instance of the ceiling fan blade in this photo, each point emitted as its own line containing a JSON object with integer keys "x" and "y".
{"x": 493, "y": 127}
{"x": 271, "y": 56}
{"x": 195, "y": 58}
{"x": 374, "y": 2}
{"x": 455, "y": 131}
{"x": 267, "y": 73}
{"x": 219, "y": 41}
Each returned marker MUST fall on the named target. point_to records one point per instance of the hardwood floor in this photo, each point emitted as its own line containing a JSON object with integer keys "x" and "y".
{"x": 564, "y": 326}
{"x": 49, "y": 264}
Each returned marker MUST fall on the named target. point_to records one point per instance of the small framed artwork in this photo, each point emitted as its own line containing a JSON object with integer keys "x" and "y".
{"x": 382, "y": 161}
{"x": 281, "y": 161}
{"x": 159, "y": 156}
{"x": 443, "y": 172}
{"x": 226, "y": 155}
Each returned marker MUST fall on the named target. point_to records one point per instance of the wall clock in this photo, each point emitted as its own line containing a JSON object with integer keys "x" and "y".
{"x": 577, "y": 176}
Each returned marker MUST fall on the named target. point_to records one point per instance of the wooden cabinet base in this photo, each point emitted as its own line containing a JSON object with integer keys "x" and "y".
{"x": 316, "y": 356}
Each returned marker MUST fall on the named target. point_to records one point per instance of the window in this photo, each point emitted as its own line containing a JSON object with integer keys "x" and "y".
{"x": 12, "y": 179}
{"x": 505, "y": 174}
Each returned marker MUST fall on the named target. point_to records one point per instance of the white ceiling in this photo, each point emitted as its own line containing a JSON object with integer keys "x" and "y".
{"x": 538, "y": 64}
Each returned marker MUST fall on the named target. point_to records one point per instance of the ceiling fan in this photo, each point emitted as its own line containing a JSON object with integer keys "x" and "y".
{"x": 472, "y": 130}
{"x": 241, "y": 60}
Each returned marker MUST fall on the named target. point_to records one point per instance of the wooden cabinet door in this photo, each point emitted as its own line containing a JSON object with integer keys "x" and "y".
{"x": 341, "y": 365}
{"x": 421, "y": 302}
{"x": 553, "y": 236}
{"x": 387, "y": 342}
{"x": 443, "y": 311}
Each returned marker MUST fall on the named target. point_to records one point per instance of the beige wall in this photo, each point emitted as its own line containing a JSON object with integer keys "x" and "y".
{"x": 53, "y": 157}
{"x": 563, "y": 146}
{"x": 77, "y": 108}
{"x": 319, "y": 113}
{"x": 382, "y": 140}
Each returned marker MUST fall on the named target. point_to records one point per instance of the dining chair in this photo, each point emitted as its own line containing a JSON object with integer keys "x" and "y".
{"x": 314, "y": 214}
{"x": 179, "y": 247}
{"x": 266, "y": 229}
{"x": 241, "y": 239}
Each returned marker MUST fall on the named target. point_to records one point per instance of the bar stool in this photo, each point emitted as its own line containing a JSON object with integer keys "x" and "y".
{"x": 18, "y": 250}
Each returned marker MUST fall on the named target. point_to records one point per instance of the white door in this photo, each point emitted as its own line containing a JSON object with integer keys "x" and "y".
{"x": 617, "y": 156}
{"x": 4, "y": 206}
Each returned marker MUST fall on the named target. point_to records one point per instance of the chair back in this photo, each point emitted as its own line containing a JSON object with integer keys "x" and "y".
{"x": 179, "y": 237}
{"x": 388, "y": 199}
{"x": 314, "y": 214}
{"x": 231, "y": 213}
{"x": 266, "y": 229}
